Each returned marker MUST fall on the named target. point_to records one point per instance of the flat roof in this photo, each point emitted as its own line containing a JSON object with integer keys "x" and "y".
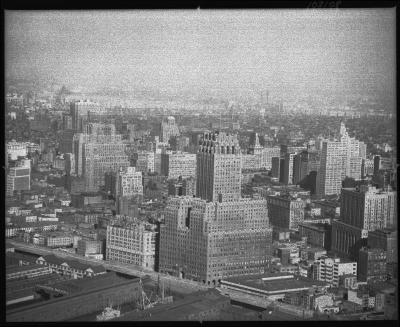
{"x": 315, "y": 249}
{"x": 276, "y": 284}
{"x": 194, "y": 303}
{"x": 86, "y": 284}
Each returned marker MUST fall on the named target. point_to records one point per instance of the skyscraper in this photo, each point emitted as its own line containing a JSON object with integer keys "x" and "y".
{"x": 101, "y": 158}
{"x": 220, "y": 234}
{"x": 275, "y": 167}
{"x": 208, "y": 241}
{"x": 98, "y": 151}
{"x": 362, "y": 210}
{"x": 331, "y": 171}
{"x": 288, "y": 168}
{"x": 367, "y": 207}
{"x": 94, "y": 133}
{"x": 19, "y": 177}
{"x": 145, "y": 161}
{"x": 266, "y": 156}
{"x": 168, "y": 128}
{"x": 177, "y": 163}
{"x": 219, "y": 167}
{"x": 339, "y": 159}
{"x": 128, "y": 182}
{"x": 80, "y": 111}
{"x": 285, "y": 211}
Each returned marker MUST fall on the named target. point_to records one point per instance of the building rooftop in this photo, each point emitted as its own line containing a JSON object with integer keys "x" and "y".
{"x": 13, "y": 258}
{"x": 73, "y": 263}
{"x": 15, "y": 269}
{"x": 193, "y": 304}
{"x": 285, "y": 284}
{"x": 87, "y": 284}
{"x": 315, "y": 249}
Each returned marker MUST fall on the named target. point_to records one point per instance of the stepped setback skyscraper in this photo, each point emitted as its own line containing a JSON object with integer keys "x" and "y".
{"x": 219, "y": 167}
{"x": 218, "y": 234}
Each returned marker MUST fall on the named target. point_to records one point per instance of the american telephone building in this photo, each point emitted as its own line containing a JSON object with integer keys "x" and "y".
{"x": 218, "y": 234}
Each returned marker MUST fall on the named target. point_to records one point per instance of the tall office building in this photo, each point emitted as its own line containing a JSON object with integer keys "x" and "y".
{"x": 331, "y": 171}
{"x": 169, "y": 128}
{"x": 19, "y": 177}
{"x": 66, "y": 141}
{"x": 220, "y": 234}
{"x": 288, "y": 168}
{"x": 362, "y": 210}
{"x": 176, "y": 163}
{"x": 128, "y": 182}
{"x": 266, "y": 156}
{"x": 94, "y": 134}
{"x": 385, "y": 239}
{"x": 98, "y": 151}
{"x": 367, "y": 207}
{"x": 275, "y": 167}
{"x": 219, "y": 167}
{"x": 367, "y": 168}
{"x": 98, "y": 159}
{"x": 382, "y": 163}
{"x": 372, "y": 265}
{"x": 80, "y": 112}
{"x": 146, "y": 162}
{"x": 209, "y": 241}
{"x": 304, "y": 163}
{"x": 285, "y": 211}
{"x": 339, "y": 159}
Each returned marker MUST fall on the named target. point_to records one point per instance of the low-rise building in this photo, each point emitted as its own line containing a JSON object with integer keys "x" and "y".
{"x": 26, "y": 271}
{"x": 58, "y": 239}
{"x": 71, "y": 268}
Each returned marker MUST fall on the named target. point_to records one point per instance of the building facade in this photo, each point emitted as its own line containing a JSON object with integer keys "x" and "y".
{"x": 287, "y": 177}
{"x": 98, "y": 159}
{"x": 339, "y": 159}
{"x": 169, "y": 128}
{"x": 128, "y": 182}
{"x": 367, "y": 207}
{"x": 175, "y": 164}
{"x": 219, "y": 167}
{"x": 285, "y": 211}
{"x": 133, "y": 243}
{"x": 208, "y": 241}
{"x": 146, "y": 162}
{"x": 19, "y": 177}
{"x": 329, "y": 270}
{"x": 385, "y": 239}
{"x": 372, "y": 265}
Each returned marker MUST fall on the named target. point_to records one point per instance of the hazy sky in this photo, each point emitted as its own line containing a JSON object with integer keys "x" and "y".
{"x": 327, "y": 49}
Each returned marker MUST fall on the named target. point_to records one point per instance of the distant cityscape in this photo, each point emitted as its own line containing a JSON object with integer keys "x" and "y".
{"x": 154, "y": 206}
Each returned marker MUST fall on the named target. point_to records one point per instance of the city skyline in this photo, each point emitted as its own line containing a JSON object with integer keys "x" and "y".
{"x": 200, "y": 165}
{"x": 230, "y": 52}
